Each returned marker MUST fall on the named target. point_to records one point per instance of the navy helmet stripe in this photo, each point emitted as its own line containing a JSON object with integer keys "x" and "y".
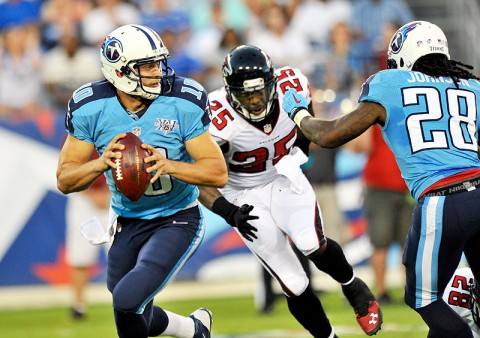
{"x": 152, "y": 42}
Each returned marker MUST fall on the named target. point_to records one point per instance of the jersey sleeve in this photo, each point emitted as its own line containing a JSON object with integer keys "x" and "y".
{"x": 292, "y": 78}
{"x": 84, "y": 107}
{"x": 196, "y": 118}
{"x": 378, "y": 88}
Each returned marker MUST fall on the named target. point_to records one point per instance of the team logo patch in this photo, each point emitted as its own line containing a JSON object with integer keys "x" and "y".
{"x": 397, "y": 42}
{"x": 166, "y": 125}
{"x": 112, "y": 49}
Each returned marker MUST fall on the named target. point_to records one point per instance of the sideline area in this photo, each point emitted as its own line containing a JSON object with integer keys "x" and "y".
{"x": 49, "y": 296}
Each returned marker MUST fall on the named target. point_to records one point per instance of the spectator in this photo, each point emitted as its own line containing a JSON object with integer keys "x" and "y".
{"x": 387, "y": 203}
{"x": 67, "y": 67}
{"x": 320, "y": 171}
{"x": 60, "y": 17}
{"x": 104, "y": 18}
{"x": 80, "y": 254}
{"x": 369, "y": 17}
{"x": 313, "y": 20}
{"x": 184, "y": 63}
{"x": 282, "y": 43}
{"x": 20, "y": 81}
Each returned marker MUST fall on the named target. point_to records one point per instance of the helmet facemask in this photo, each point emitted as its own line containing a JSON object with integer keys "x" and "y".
{"x": 254, "y": 100}
{"x": 475, "y": 303}
{"x": 133, "y": 71}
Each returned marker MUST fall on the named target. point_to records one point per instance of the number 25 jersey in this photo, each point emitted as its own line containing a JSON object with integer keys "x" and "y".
{"x": 252, "y": 150}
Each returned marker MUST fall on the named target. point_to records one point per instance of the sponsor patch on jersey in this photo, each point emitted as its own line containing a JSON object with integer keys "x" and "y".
{"x": 112, "y": 49}
{"x": 166, "y": 125}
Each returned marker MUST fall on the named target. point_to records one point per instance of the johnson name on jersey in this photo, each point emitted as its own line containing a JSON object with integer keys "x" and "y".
{"x": 95, "y": 115}
{"x": 417, "y": 107}
{"x": 251, "y": 151}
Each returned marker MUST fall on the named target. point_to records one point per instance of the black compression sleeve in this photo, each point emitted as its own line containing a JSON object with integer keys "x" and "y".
{"x": 224, "y": 208}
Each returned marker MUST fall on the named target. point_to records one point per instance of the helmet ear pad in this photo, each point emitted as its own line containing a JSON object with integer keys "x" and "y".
{"x": 247, "y": 69}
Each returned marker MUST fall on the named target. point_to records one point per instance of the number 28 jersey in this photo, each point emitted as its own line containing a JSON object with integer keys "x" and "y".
{"x": 431, "y": 125}
{"x": 251, "y": 152}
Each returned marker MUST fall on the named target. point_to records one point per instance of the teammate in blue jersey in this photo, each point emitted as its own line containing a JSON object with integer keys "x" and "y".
{"x": 428, "y": 107}
{"x": 157, "y": 234}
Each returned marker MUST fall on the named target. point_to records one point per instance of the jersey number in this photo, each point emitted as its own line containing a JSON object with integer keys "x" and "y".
{"x": 257, "y": 158}
{"x": 462, "y": 110}
{"x": 164, "y": 183}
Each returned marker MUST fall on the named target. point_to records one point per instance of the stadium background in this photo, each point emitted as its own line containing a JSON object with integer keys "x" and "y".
{"x": 33, "y": 211}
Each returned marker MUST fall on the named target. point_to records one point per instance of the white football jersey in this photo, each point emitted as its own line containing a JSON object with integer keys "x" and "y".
{"x": 457, "y": 296}
{"x": 253, "y": 153}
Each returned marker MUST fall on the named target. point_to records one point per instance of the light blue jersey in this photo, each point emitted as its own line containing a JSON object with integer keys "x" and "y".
{"x": 95, "y": 115}
{"x": 431, "y": 125}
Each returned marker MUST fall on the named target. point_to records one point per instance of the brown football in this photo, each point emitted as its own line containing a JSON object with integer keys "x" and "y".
{"x": 130, "y": 176}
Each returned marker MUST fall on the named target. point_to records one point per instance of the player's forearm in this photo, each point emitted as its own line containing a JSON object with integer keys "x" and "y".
{"x": 73, "y": 177}
{"x": 205, "y": 172}
{"x": 316, "y": 130}
{"x": 208, "y": 196}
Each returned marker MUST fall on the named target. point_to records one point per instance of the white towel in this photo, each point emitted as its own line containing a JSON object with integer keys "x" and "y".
{"x": 289, "y": 166}
{"x": 93, "y": 230}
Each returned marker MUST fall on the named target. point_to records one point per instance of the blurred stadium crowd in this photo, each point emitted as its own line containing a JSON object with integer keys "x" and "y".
{"x": 48, "y": 48}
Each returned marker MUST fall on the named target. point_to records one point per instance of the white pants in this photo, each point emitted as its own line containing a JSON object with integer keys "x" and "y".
{"x": 282, "y": 214}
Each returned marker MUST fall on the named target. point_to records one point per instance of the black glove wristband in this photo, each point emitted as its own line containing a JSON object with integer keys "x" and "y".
{"x": 224, "y": 208}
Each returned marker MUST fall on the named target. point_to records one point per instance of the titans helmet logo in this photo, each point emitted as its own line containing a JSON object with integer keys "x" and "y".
{"x": 112, "y": 49}
{"x": 397, "y": 42}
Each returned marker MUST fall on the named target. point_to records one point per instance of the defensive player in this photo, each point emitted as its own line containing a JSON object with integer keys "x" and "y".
{"x": 462, "y": 295}
{"x": 258, "y": 139}
{"x": 427, "y": 106}
{"x": 158, "y": 233}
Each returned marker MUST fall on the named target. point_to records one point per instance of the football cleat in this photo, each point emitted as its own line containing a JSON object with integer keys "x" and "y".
{"x": 202, "y": 319}
{"x": 366, "y": 307}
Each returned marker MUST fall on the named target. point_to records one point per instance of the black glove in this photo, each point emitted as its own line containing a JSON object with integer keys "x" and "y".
{"x": 237, "y": 217}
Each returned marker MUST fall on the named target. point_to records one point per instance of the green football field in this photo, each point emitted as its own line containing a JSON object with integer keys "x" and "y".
{"x": 233, "y": 318}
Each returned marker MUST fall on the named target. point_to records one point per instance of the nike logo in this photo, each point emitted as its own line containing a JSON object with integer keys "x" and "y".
{"x": 296, "y": 100}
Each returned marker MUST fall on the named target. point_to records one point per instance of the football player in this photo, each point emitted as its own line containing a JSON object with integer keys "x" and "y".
{"x": 462, "y": 295}
{"x": 428, "y": 109}
{"x": 157, "y": 234}
{"x": 259, "y": 144}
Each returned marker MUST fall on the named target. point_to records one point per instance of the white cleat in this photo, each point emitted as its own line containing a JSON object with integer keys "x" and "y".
{"x": 203, "y": 323}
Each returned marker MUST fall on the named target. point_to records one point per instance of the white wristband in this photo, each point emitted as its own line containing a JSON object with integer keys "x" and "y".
{"x": 300, "y": 116}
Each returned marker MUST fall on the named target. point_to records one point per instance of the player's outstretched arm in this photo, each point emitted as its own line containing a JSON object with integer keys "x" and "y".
{"x": 75, "y": 170}
{"x": 332, "y": 133}
{"x": 237, "y": 217}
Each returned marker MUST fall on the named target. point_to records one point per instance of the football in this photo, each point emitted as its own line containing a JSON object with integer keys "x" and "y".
{"x": 130, "y": 176}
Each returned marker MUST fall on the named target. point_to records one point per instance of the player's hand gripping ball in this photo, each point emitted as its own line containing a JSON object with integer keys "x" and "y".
{"x": 130, "y": 176}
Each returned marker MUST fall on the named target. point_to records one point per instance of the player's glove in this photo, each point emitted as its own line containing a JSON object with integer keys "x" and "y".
{"x": 294, "y": 102}
{"x": 237, "y": 217}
